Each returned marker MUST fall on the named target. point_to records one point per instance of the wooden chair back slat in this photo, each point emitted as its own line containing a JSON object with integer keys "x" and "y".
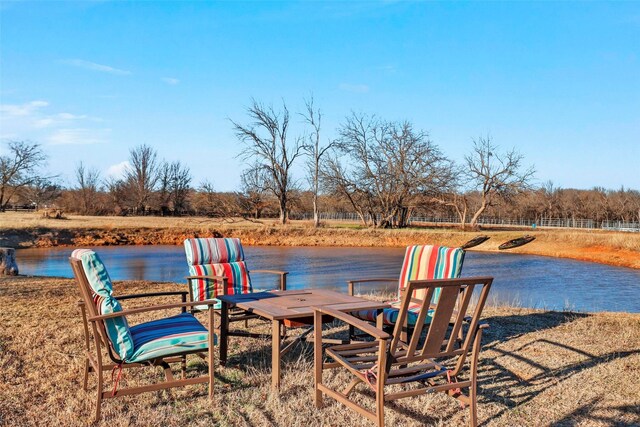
{"x": 470, "y": 333}
{"x": 462, "y": 311}
{"x": 402, "y": 322}
{"x": 446, "y": 326}
{"x": 441, "y": 319}
{"x": 422, "y": 315}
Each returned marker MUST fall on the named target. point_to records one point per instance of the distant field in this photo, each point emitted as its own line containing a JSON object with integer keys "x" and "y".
{"x": 18, "y": 229}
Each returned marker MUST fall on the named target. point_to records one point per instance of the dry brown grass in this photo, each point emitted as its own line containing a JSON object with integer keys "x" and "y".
{"x": 536, "y": 369}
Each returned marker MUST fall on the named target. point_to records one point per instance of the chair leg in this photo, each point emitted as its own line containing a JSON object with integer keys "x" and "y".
{"x": 210, "y": 354}
{"x": 472, "y": 404}
{"x": 99, "y": 396}
{"x": 380, "y": 381}
{"x": 183, "y": 367}
{"x": 317, "y": 358}
{"x": 380, "y": 409}
{"x": 85, "y": 382}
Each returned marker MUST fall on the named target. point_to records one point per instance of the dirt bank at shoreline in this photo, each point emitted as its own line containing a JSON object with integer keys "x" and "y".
{"x": 24, "y": 231}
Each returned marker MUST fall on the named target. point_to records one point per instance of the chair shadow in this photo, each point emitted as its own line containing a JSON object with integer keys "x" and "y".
{"x": 588, "y": 413}
{"x": 503, "y": 328}
{"x": 494, "y": 377}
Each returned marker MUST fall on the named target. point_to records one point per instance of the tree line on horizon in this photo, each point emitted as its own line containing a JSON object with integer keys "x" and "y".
{"x": 384, "y": 171}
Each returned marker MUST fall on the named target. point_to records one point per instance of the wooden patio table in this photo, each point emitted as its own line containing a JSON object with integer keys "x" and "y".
{"x": 278, "y": 306}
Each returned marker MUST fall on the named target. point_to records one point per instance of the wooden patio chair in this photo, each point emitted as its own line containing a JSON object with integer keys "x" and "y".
{"x": 395, "y": 368}
{"x": 159, "y": 342}
{"x": 216, "y": 267}
{"x": 421, "y": 262}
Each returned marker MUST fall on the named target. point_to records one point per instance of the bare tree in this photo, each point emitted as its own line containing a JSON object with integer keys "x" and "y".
{"x": 266, "y": 144}
{"x": 495, "y": 174}
{"x": 142, "y": 175}
{"x": 222, "y": 206}
{"x": 88, "y": 183}
{"x": 118, "y": 191}
{"x": 384, "y": 167}
{"x": 314, "y": 118}
{"x": 180, "y": 181}
{"x": 19, "y": 168}
{"x": 337, "y": 180}
{"x": 41, "y": 191}
{"x": 174, "y": 179}
{"x": 253, "y": 198}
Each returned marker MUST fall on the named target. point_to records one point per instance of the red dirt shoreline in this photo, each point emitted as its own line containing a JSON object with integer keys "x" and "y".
{"x": 590, "y": 247}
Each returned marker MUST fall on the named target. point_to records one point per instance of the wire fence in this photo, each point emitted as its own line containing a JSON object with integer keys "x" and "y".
{"x": 489, "y": 221}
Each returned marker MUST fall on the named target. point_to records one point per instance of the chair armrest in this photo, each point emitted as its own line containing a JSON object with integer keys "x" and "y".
{"x": 209, "y": 302}
{"x": 151, "y": 294}
{"x": 206, "y": 277}
{"x": 382, "y": 279}
{"x": 270, "y": 271}
{"x": 282, "y": 274}
{"x": 360, "y": 324}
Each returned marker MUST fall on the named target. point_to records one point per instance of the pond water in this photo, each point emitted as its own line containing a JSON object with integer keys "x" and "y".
{"x": 524, "y": 280}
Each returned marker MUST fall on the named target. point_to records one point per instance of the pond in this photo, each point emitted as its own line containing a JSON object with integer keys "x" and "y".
{"x": 523, "y": 280}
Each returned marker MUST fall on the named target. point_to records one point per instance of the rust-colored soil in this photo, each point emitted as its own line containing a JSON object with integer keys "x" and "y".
{"x": 26, "y": 230}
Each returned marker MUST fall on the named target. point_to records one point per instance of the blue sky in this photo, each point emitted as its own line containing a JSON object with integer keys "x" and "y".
{"x": 558, "y": 81}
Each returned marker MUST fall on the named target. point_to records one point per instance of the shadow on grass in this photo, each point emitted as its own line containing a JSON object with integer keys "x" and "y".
{"x": 498, "y": 384}
{"x": 495, "y": 379}
{"x": 503, "y": 328}
{"x": 589, "y": 413}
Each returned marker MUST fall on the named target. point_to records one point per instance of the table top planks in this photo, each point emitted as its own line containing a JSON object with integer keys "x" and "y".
{"x": 279, "y": 305}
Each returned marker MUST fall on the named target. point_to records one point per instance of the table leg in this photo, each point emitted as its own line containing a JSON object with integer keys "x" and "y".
{"x": 224, "y": 332}
{"x": 275, "y": 355}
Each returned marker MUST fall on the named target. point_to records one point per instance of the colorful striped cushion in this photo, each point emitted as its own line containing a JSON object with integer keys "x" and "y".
{"x": 216, "y": 257}
{"x": 421, "y": 262}
{"x": 424, "y": 262}
{"x": 390, "y": 315}
{"x": 213, "y": 250}
{"x": 168, "y": 337}
{"x": 117, "y": 328}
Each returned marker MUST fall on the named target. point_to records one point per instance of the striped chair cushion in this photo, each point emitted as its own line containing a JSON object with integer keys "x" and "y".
{"x": 213, "y": 250}
{"x": 390, "y": 315}
{"x": 421, "y": 262}
{"x": 117, "y": 328}
{"x": 424, "y": 262}
{"x": 216, "y": 257}
{"x": 167, "y": 337}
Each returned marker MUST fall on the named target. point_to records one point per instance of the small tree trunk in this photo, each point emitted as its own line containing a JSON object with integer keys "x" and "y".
{"x": 474, "y": 219}
{"x": 316, "y": 216}
{"x": 283, "y": 210}
{"x": 8, "y": 266}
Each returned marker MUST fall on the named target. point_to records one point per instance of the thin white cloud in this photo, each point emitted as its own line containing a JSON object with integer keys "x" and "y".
{"x": 79, "y": 136}
{"x": 81, "y": 63}
{"x": 354, "y": 88}
{"x": 117, "y": 170}
{"x": 25, "y": 109}
{"x": 170, "y": 80}
{"x": 60, "y": 119}
{"x": 33, "y": 120}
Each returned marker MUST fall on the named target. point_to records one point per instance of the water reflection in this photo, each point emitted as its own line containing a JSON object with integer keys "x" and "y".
{"x": 529, "y": 281}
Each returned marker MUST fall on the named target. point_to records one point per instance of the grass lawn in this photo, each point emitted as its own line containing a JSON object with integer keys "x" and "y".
{"x": 537, "y": 368}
